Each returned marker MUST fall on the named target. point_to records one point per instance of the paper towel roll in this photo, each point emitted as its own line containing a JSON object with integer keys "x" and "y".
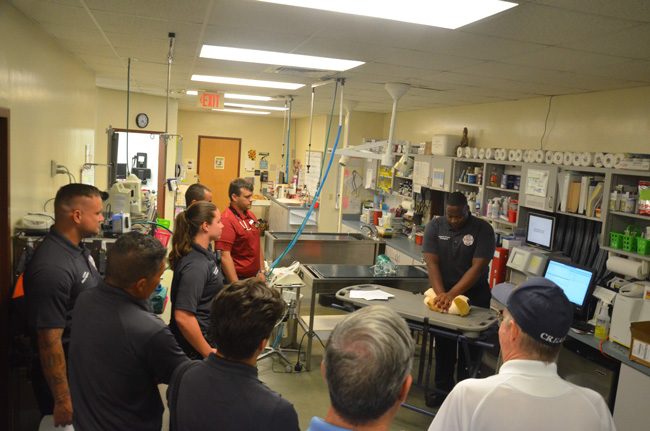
{"x": 598, "y": 160}
{"x": 576, "y": 159}
{"x": 475, "y": 153}
{"x": 511, "y": 155}
{"x": 539, "y": 156}
{"x": 548, "y": 157}
{"x": 629, "y": 267}
{"x": 567, "y": 158}
{"x": 558, "y": 157}
{"x": 489, "y": 153}
{"x": 586, "y": 159}
{"x": 519, "y": 155}
{"x": 608, "y": 160}
{"x": 459, "y": 152}
{"x": 481, "y": 153}
{"x": 618, "y": 158}
{"x": 467, "y": 152}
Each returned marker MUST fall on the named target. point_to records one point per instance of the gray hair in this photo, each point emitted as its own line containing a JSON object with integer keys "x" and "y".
{"x": 368, "y": 357}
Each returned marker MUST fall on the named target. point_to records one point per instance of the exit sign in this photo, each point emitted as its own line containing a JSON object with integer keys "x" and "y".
{"x": 211, "y": 100}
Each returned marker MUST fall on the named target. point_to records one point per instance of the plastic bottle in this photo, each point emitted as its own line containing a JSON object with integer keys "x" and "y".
{"x": 602, "y": 324}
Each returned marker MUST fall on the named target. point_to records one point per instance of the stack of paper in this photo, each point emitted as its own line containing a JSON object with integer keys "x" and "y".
{"x": 371, "y": 295}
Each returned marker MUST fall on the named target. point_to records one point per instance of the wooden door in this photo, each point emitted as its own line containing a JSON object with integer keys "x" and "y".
{"x": 218, "y": 165}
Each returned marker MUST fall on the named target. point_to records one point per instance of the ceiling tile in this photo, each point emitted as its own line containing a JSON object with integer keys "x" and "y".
{"x": 636, "y": 10}
{"x": 632, "y": 43}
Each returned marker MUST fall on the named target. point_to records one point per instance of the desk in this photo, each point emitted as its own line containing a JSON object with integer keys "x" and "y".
{"x": 467, "y": 330}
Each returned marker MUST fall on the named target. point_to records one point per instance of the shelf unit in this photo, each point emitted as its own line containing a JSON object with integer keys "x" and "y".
{"x": 499, "y": 189}
{"x": 579, "y": 216}
{"x": 625, "y": 253}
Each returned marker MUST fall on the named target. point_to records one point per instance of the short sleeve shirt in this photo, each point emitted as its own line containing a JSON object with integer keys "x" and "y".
{"x": 55, "y": 276}
{"x": 197, "y": 280}
{"x": 456, "y": 249}
{"x": 241, "y": 237}
{"x": 119, "y": 353}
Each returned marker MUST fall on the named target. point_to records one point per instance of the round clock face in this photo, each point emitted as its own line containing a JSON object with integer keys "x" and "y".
{"x": 142, "y": 120}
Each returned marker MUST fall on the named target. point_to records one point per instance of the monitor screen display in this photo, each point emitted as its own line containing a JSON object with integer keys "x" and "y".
{"x": 540, "y": 230}
{"x": 576, "y": 282}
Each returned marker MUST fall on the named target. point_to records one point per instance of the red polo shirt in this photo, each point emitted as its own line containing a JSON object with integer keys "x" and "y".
{"x": 241, "y": 237}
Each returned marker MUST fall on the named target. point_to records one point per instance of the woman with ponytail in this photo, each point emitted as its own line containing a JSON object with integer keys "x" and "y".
{"x": 197, "y": 277}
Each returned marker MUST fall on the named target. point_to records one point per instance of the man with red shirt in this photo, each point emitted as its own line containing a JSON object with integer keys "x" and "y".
{"x": 241, "y": 254}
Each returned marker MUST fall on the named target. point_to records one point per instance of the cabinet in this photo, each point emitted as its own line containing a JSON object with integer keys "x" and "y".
{"x": 615, "y": 216}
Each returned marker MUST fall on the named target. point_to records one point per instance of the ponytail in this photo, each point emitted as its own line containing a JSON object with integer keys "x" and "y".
{"x": 187, "y": 226}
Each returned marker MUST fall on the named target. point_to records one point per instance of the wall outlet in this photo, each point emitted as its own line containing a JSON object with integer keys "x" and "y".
{"x": 53, "y": 168}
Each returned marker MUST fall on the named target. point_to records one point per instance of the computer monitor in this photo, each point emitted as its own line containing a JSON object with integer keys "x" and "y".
{"x": 576, "y": 281}
{"x": 540, "y": 231}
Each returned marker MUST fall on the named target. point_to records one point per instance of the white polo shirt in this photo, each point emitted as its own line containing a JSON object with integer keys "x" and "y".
{"x": 525, "y": 395}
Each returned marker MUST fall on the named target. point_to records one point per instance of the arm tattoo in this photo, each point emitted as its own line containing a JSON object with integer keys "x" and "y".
{"x": 52, "y": 358}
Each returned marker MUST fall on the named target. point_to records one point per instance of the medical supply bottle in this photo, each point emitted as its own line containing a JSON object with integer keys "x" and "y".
{"x": 602, "y": 324}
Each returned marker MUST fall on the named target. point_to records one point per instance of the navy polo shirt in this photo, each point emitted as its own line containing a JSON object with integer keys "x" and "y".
{"x": 228, "y": 396}
{"x": 197, "y": 280}
{"x": 119, "y": 353}
{"x": 456, "y": 249}
{"x": 55, "y": 276}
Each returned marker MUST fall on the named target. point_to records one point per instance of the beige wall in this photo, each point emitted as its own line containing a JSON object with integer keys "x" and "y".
{"x": 259, "y": 134}
{"x": 52, "y": 102}
{"x": 603, "y": 121}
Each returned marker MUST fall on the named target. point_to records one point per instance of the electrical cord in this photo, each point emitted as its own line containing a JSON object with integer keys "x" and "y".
{"x": 46, "y": 202}
{"x": 541, "y": 141}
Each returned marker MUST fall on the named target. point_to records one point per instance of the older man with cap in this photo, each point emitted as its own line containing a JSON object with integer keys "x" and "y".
{"x": 527, "y": 393}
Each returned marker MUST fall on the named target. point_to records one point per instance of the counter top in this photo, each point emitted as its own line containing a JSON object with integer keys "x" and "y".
{"x": 398, "y": 242}
{"x": 288, "y": 206}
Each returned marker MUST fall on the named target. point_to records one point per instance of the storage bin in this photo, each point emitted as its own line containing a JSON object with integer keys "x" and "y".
{"x": 616, "y": 240}
{"x": 163, "y": 236}
{"x": 643, "y": 246}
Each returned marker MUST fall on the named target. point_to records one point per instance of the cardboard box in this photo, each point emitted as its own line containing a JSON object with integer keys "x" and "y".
{"x": 444, "y": 145}
{"x": 640, "y": 347}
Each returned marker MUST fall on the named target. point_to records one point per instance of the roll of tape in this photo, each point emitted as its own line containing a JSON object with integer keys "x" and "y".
{"x": 481, "y": 153}
{"x": 459, "y": 152}
{"x": 618, "y": 158}
{"x": 577, "y": 158}
{"x": 558, "y": 157}
{"x": 608, "y": 160}
{"x": 586, "y": 159}
{"x": 474, "y": 153}
{"x": 467, "y": 152}
{"x": 539, "y": 156}
{"x": 519, "y": 155}
{"x": 511, "y": 155}
{"x": 527, "y": 156}
{"x": 489, "y": 153}
{"x": 567, "y": 158}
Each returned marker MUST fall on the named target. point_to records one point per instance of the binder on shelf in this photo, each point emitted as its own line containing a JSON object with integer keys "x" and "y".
{"x": 595, "y": 198}
{"x": 573, "y": 198}
{"x": 584, "y": 193}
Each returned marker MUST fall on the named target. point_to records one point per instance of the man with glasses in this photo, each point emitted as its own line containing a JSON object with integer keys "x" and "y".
{"x": 241, "y": 253}
{"x": 527, "y": 394}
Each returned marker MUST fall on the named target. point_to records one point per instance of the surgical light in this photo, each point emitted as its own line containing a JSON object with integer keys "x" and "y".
{"x": 246, "y": 105}
{"x": 277, "y": 58}
{"x": 242, "y": 111}
{"x": 450, "y": 14}
{"x": 247, "y": 82}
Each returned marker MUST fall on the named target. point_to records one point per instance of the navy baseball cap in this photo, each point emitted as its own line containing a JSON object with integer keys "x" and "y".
{"x": 540, "y": 308}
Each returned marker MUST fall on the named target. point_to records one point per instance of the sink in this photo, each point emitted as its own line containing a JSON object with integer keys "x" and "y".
{"x": 289, "y": 202}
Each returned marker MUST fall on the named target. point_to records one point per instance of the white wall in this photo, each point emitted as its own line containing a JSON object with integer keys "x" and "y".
{"x": 52, "y": 101}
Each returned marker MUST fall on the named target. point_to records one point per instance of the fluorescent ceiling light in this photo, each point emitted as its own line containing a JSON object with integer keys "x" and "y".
{"x": 192, "y": 92}
{"x": 436, "y": 13}
{"x": 246, "y": 105}
{"x": 242, "y": 111}
{"x": 247, "y": 97}
{"x": 277, "y": 58}
{"x": 247, "y": 82}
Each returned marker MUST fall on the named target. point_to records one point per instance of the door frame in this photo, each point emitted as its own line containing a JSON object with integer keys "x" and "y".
{"x": 198, "y": 153}
{"x": 162, "y": 159}
{"x": 5, "y": 270}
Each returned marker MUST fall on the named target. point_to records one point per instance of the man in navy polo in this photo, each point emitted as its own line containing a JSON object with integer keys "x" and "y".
{"x": 59, "y": 271}
{"x": 457, "y": 250}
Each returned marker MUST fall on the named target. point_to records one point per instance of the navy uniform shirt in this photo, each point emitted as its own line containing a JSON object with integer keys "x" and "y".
{"x": 119, "y": 353}
{"x": 197, "y": 280}
{"x": 218, "y": 394}
{"x": 54, "y": 278}
{"x": 456, "y": 249}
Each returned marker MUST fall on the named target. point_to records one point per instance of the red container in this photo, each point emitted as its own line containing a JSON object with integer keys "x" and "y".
{"x": 163, "y": 236}
{"x": 375, "y": 217}
{"x": 419, "y": 238}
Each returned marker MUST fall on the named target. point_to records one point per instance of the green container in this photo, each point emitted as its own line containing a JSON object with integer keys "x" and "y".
{"x": 616, "y": 240}
{"x": 643, "y": 246}
{"x": 632, "y": 233}
{"x": 164, "y": 222}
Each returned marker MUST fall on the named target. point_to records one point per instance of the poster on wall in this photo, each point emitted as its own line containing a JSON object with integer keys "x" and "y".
{"x": 219, "y": 162}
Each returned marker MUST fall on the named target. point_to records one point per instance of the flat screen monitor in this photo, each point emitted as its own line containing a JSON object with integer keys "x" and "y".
{"x": 540, "y": 231}
{"x": 576, "y": 281}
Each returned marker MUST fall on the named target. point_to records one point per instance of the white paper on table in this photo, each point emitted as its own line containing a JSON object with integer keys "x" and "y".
{"x": 370, "y": 295}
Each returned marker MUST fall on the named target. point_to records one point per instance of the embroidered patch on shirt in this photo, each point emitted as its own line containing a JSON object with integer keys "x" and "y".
{"x": 468, "y": 240}
{"x": 443, "y": 237}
